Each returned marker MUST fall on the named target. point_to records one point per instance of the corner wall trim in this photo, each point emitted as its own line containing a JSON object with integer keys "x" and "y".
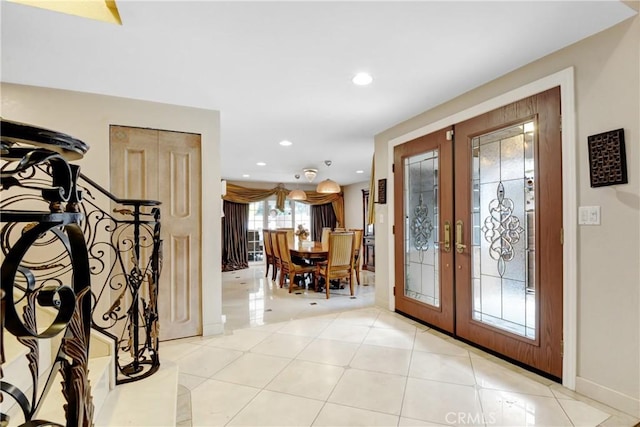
{"x": 212, "y": 329}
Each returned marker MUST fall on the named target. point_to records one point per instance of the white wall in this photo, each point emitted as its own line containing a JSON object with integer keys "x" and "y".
{"x": 87, "y": 117}
{"x": 607, "y": 97}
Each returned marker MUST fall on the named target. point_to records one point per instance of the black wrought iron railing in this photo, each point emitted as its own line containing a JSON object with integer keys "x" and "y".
{"x": 60, "y": 227}
{"x": 29, "y": 288}
{"x": 125, "y": 255}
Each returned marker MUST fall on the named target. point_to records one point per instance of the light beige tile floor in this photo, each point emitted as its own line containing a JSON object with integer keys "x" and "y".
{"x": 301, "y": 360}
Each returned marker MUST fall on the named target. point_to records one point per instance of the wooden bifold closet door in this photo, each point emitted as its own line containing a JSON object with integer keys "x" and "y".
{"x": 165, "y": 166}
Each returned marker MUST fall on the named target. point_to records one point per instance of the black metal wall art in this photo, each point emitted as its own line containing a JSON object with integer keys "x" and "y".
{"x": 607, "y": 158}
{"x": 382, "y": 191}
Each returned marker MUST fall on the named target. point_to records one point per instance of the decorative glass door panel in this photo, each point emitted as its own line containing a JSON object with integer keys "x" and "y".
{"x": 503, "y": 223}
{"x": 508, "y": 203}
{"x": 424, "y": 184}
{"x": 421, "y": 225}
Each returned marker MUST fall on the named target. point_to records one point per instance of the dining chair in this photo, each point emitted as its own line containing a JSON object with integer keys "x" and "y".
{"x": 276, "y": 254}
{"x": 339, "y": 260}
{"x": 268, "y": 251}
{"x": 357, "y": 245}
{"x": 287, "y": 266}
{"x": 339, "y": 229}
{"x": 325, "y": 235}
{"x": 290, "y": 234}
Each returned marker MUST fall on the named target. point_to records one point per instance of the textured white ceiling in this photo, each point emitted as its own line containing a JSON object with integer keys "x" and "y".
{"x": 282, "y": 70}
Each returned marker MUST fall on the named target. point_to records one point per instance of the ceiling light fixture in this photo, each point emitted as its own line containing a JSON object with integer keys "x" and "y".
{"x": 360, "y": 171}
{"x": 310, "y": 174}
{"x": 261, "y": 164}
{"x": 328, "y": 186}
{"x": 285, "y": 143}
{"x": 297, "y": 194}
{"x": 362, "y": 79}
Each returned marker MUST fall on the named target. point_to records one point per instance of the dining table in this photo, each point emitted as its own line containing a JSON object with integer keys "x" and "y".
{"x": 309, "y": 250}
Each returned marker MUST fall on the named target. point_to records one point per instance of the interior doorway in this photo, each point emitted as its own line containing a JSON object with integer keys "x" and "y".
{"x": 479, "y": 247}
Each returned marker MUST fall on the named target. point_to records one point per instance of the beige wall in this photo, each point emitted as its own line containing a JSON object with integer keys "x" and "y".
{"x": 607, "y": 97}
{"x": 353, "y": 204}
{"x": 87, "y": 117}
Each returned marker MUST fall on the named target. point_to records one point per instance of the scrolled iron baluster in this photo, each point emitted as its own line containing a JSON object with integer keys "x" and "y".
{"x": 116, "y": 232}
{"x": 71, "y": 303}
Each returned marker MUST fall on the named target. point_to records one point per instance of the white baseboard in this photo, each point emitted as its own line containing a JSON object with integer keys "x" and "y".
{"x": 212, "y": 329}
{"x": 615, "y": 399}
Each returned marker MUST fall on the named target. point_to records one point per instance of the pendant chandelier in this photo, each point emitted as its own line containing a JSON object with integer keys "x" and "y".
{"x": 297, "y": 194}
{"x": 310, "y": 174}
{"x": 328, "y": 186}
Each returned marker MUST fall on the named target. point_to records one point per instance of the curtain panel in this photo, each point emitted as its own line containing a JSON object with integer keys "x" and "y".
{"x": 372, "y": 194}
{"x": 321, "y": 216}
{"x": 239, "y": 194}
{"x": 235, "y": 254}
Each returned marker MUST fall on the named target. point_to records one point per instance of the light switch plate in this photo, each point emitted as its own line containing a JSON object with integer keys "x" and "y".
{"x": 589, "y": 215}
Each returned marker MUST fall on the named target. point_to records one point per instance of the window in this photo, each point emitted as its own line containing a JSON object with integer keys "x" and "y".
{"x": 263, "y": 214}
{"x": 254, "y": 231}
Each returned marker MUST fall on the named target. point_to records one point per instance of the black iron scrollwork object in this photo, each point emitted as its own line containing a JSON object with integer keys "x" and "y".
{"x": 125, "y": 259}
{"x": 29, "y": 293}
{"x": 125, "y": 253}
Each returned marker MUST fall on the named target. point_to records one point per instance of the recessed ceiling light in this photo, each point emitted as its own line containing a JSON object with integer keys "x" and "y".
{"x": 245, "y": 175}
{"x": 261, "y": 164}
{"x": 286, "y": 143}
{"x": 362, "y": 79}
{"x": 360, "y": 171}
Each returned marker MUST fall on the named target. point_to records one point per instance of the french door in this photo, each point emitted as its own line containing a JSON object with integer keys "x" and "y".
{"x": 479, "y": 246}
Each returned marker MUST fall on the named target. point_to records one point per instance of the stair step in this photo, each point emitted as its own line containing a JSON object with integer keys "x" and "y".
{"x": 148, "y": 402}
{"x": 52, "y": 409}
{"x": 16, "y": 367}
{"x": 100, "y": 374}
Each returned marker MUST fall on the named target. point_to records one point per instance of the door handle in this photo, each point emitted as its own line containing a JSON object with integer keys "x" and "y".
{"x": 447, "y": 236}
{"x": 460, "y": 247}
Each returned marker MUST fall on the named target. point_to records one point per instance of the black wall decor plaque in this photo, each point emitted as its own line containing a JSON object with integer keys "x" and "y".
{"x": 607, "y": 158}
{"x": 382, "y": 191}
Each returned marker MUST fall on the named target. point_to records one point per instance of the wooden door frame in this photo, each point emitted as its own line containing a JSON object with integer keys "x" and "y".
{"x": 564, "y": 79}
